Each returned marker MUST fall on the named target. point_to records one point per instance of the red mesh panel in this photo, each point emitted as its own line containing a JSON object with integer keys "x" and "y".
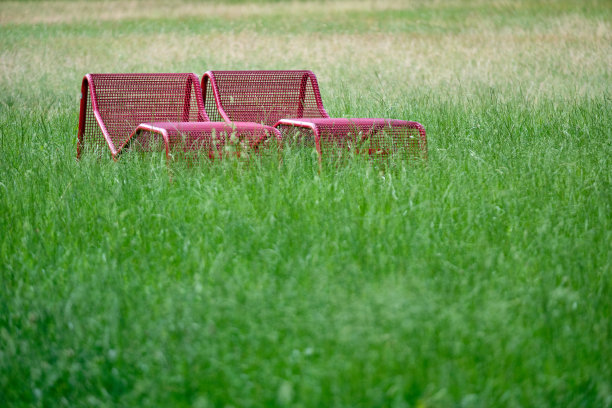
{"x": 122, "y": 101}
{"x": 262, "y": 96}
{"x": 209, "y": 140}
{"x": 375, "y": 138}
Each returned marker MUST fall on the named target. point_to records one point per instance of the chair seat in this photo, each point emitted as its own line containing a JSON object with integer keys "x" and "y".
{"x": 204, "y": 126}
{"x": 210, "y": 136}
{"x": 374, "y": 136}
{"x": 340, "y": 125}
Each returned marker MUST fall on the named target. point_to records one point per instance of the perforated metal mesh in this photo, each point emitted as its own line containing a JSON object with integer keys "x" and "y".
{"x": 262, "y": 96}
{"x": 208, "y": 141}
{"x": 291, "y": 101}
{"x": 378, "y": 139}
{"x": 123, "y": 101}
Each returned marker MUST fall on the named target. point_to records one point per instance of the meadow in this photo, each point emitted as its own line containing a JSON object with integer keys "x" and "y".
{"x": 481, "y": 278}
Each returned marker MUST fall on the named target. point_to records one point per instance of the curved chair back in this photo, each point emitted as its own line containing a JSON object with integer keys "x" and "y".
{"x": 261, "y": 96}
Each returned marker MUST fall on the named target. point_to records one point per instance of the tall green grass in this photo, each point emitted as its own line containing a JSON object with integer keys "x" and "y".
{"x": 482, "y": 278}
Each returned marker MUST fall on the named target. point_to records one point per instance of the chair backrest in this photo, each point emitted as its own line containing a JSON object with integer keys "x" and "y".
{"x": 113, "y": 105}
{"x": 261, "y": 96}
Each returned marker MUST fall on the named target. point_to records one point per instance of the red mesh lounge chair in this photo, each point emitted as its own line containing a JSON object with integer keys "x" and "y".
{"x": 291, "y": 101}
{"x": 159, "y": 111}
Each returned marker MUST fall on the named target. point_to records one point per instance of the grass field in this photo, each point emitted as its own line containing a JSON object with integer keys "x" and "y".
{"x": 481, "y": 279}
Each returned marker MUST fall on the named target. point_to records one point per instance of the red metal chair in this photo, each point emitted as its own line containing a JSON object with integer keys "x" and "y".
{"x": 158, "y": 111}
{"x": 291, "y": 101}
